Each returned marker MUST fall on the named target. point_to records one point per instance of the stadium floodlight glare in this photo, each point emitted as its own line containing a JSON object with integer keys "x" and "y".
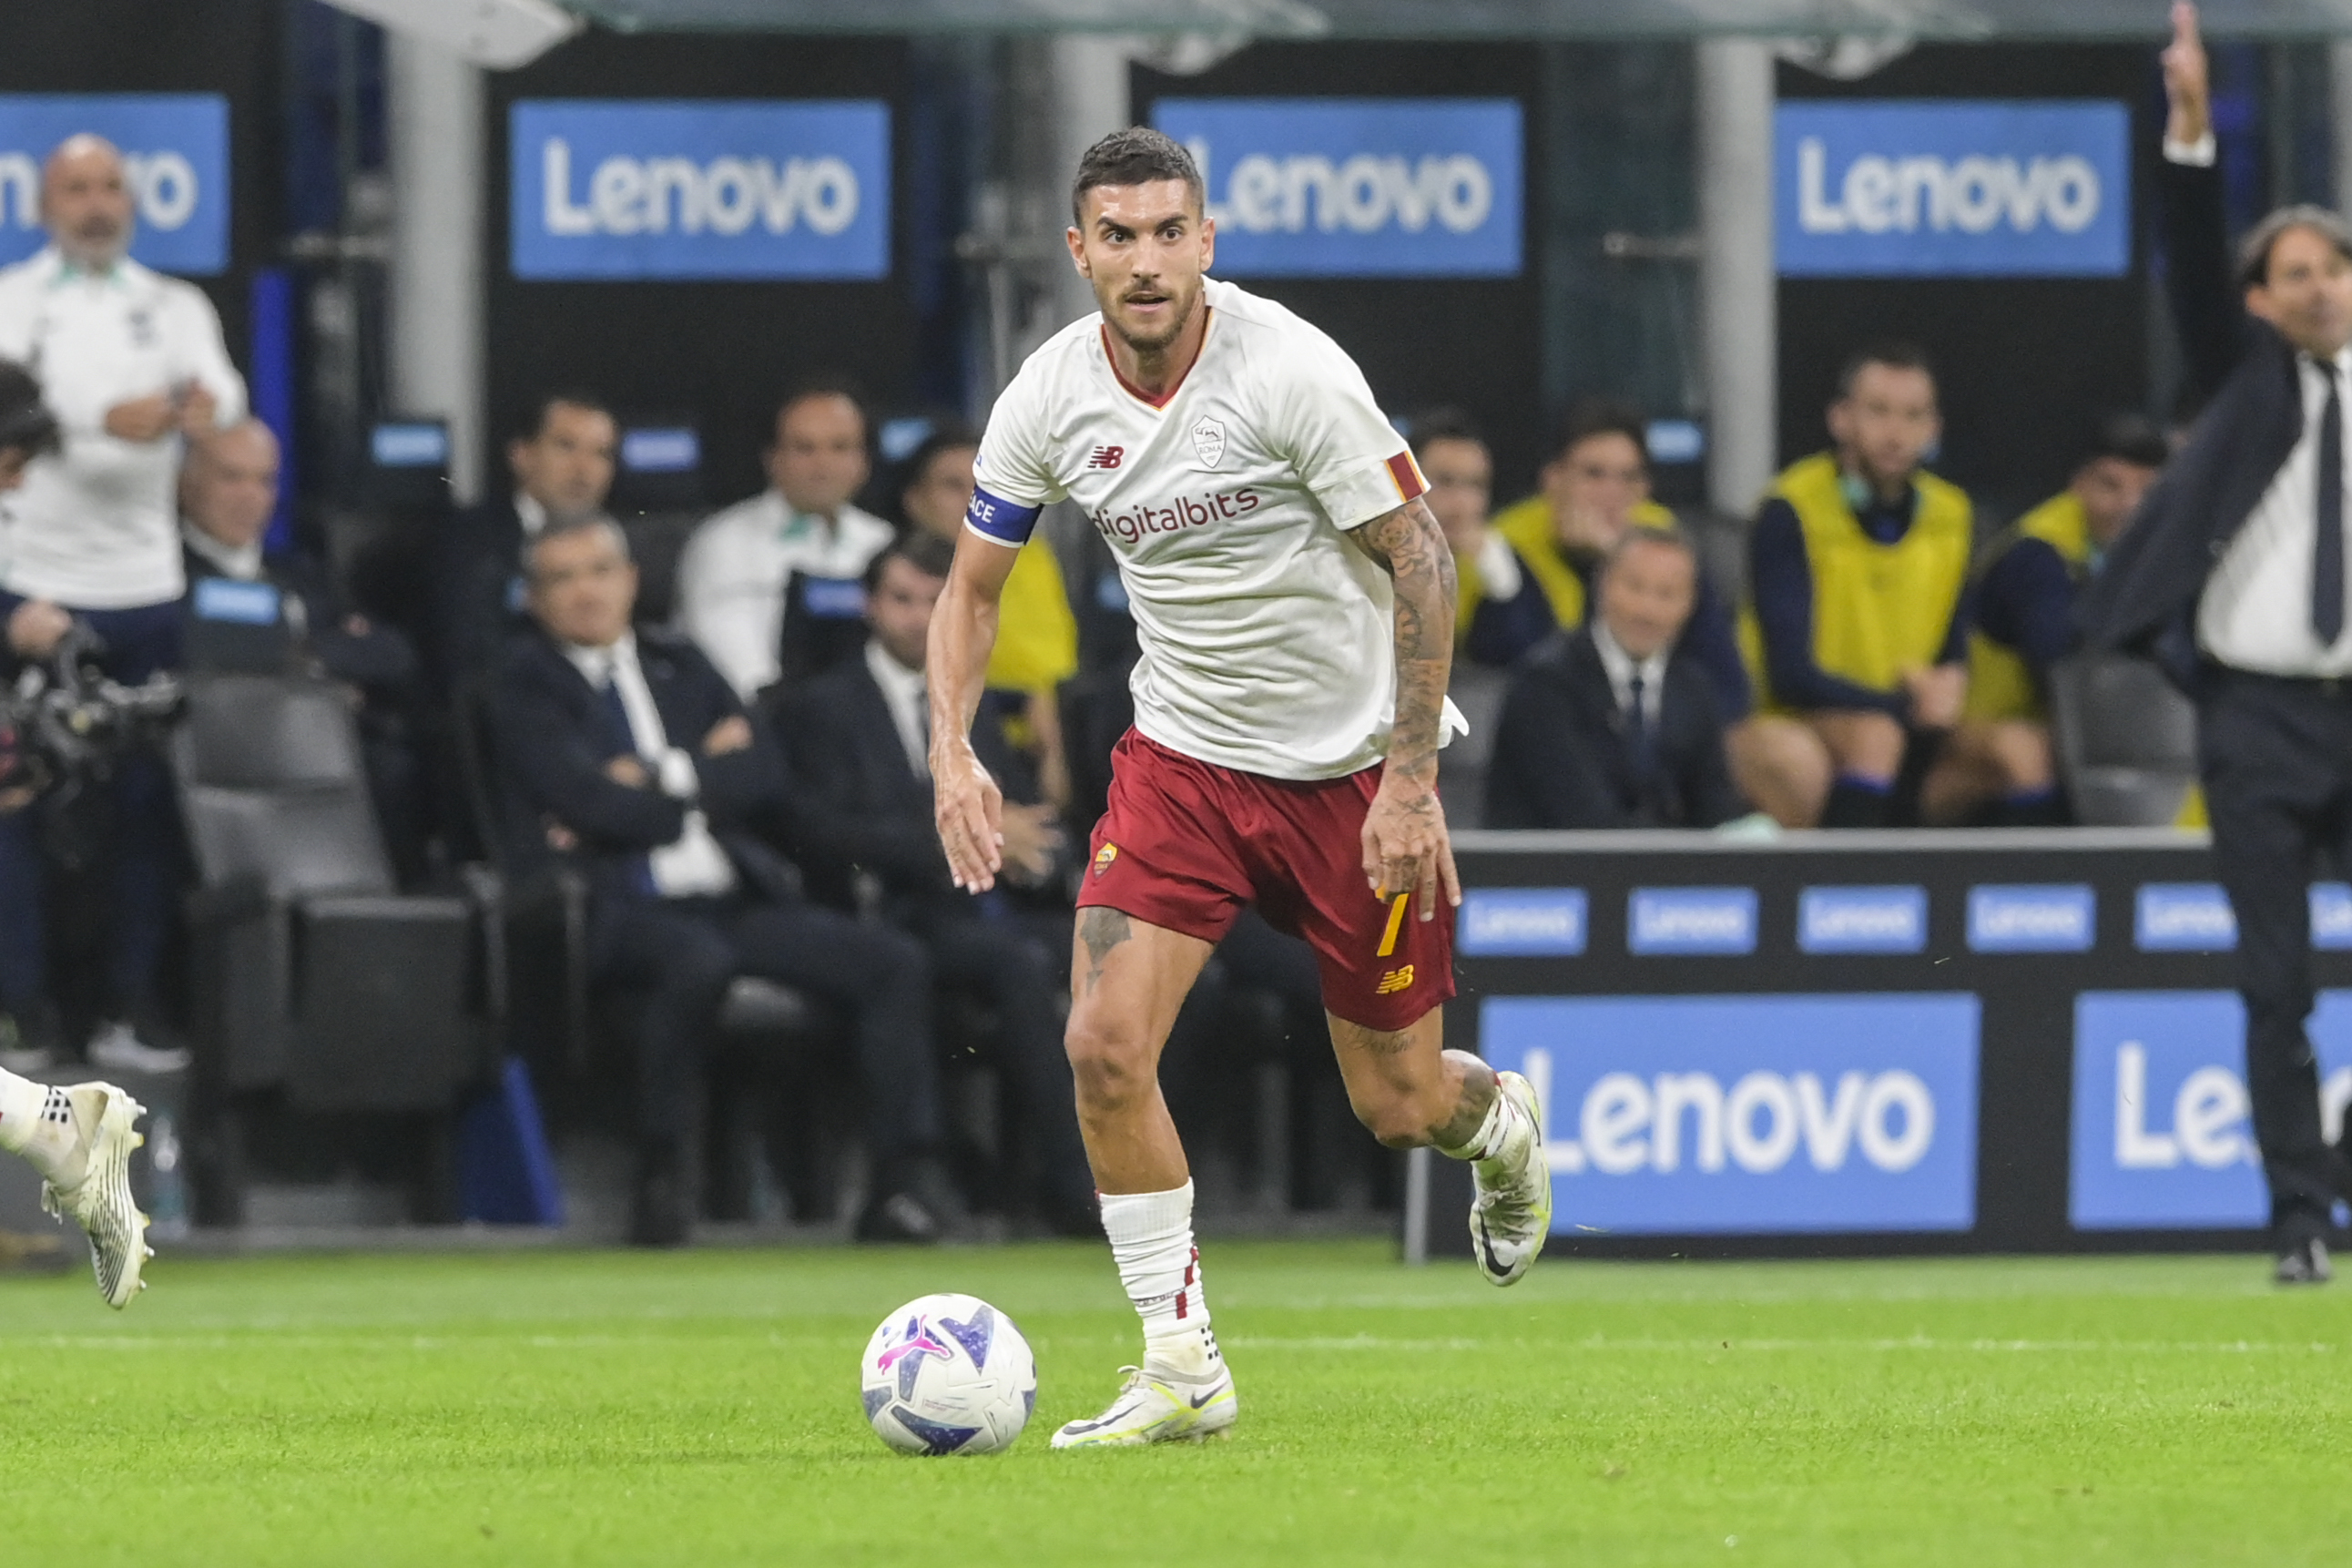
{"x": 497, "y": 34}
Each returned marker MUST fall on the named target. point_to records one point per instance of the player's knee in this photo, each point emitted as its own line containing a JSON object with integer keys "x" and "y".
{"x": 1401, "y": 1115}
{"x": 1110, "y": 1062}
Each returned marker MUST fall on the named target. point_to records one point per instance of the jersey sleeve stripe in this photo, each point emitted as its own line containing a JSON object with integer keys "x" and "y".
{"x": 1406, "y": 474}
{"x": 1006, "y": 522}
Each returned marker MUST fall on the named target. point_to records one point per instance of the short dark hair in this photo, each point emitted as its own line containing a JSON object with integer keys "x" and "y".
{"x": 534, "y": 418}
{"x": 1137, "y": 155}
{"x": 1590, "y": 416}
{"x": 947, "y": 435}
{"x": 816, "y": 386}
{"x": 27, "y": 425}
{"x": 2254, "y": 250}
{"x": 1433, "y": 425}
{"x": 1896, "y": 353}
{"x": 566, "y": 528}
{"x": 2129, "y": 439}
{"x": 1668, "y": 534}
{"x": 926, "y": 552}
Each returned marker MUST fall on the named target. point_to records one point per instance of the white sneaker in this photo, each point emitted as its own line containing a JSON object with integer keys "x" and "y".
{"x": 117, "y": 1047}
{"x": 1511, "y": 1215}
{"x": 100, "y": 1200}
{"x": 1153, "y": 1407}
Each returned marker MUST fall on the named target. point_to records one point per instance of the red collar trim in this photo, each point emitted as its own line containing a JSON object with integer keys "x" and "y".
{"x": 1208, "y": 322}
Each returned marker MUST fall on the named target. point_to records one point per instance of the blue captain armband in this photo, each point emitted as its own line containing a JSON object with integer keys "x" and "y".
{"x": 1002, "y": 520}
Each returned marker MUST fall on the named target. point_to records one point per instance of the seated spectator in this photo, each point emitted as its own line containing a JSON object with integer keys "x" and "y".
{"x": 1461, "y": 474}
{"x": 1858, "y": 569}
{"x": 1999, "y": 766}
{"x": 858, "y": 738}
{"x": 632, "y": 756}
{"x": 770, "y": 588}
{"x": 1036, "y": 633}
{"x": 1615, "y": 724}
{"x": 562, "y": 461}
{"x": 228, "y": 492}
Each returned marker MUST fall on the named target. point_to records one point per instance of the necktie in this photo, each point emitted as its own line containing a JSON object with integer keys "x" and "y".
{"x": 2328, "y": 546}
{"x": 640, "y": 867}
{"x": 1641, "y": 753}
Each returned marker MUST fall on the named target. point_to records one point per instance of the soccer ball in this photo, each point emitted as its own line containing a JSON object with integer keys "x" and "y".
{"x": 948, "y": 1374}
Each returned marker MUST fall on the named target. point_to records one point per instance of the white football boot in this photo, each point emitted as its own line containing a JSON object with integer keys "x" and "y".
{"x": 1155, "y": 1407}
{"x": 99, "y": 1200}
{"x": 1511, "y": 1215}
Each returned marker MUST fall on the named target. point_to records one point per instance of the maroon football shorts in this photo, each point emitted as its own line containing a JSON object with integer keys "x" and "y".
{"x": 1185, "y": 844}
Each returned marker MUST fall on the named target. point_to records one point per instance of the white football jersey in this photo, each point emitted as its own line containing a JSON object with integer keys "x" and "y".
{"x": 1268, "y": 640}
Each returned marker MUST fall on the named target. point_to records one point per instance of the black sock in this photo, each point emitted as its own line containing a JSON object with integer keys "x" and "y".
{"x": 1858, "y": 803}
{"x": 2030, "y": 808}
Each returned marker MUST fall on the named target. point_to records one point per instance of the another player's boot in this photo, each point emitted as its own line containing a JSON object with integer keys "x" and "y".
{"x": 1159, "y": 1404}
{"x": 1511, "y": 1215}
{"x": 91, "y": 1186}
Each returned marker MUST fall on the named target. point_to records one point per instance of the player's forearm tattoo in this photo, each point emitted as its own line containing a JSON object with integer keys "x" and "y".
{"x": 1413, "y": 548}
{"x": 1101, "y": 929}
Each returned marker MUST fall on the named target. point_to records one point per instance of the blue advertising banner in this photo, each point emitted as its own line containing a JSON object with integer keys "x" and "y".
{"x": 1521, "y": 922}
{"x": 703, "y": 188}
{"x": 1862, "y": 920}
{"x": 2183, "y": 917}
{"x": 2032, "y": 917}
{"x": 1689, "y": 1115}
{"x": 1951, "y": 189}
{"x": 1345, "y": 188}
{"x": 1716, "y": 921}
{"x": 175, "y": 146}
{"x": 2162, "y": 1137}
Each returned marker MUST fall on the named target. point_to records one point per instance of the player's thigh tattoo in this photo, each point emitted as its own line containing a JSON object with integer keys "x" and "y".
{"x": 1101, "y": 929}
{"x": 1372, "y": 1042}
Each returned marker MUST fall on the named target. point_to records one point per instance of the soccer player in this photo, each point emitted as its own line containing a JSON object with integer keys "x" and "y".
{"x": 79, "y": 1139}
{"x": 1295, "y": 600}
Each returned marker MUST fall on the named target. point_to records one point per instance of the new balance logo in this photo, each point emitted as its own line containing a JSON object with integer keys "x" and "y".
{"x": 1394, "y": 981}
{"x": 1107, "y": 458}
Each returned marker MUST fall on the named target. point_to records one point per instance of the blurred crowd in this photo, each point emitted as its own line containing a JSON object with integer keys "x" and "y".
{"x": 727, "y": 745}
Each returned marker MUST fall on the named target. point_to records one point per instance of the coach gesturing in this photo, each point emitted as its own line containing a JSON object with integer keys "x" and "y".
{"x": 2235, "y": 576}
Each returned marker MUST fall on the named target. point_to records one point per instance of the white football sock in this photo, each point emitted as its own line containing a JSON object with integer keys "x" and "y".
{"x": 1501, "y": 1139}
{"x": 1152, "y": 1241}
{"x": 37, "y": 1122}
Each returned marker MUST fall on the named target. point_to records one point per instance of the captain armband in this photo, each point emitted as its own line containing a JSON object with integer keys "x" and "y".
{"x": 1007, "y": 523}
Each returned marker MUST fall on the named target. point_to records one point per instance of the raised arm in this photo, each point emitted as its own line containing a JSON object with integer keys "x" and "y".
{"x": 1405, "y": 846}
{"x": 965, "y": 798}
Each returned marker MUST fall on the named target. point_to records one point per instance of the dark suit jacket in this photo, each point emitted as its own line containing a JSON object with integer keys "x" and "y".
{"x": 556, "y": 732}
{"x": 2145, "y": 598}
{"x": 855, "y": 803}
{"x": 1560, "y": 747}
{"x": 379, "y": 661}
{"x": 476, "y": 561}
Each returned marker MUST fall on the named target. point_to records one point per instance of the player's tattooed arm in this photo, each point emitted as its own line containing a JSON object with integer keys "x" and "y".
{"x": 1405, "y": 846}
{"x": 967, "y": 804}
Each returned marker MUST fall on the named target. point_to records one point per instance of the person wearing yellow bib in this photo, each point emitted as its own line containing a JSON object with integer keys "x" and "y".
{"x": 1858, "y": 572}
{"x": 1036, "y": 633}
{"x": 1998, "y": 767}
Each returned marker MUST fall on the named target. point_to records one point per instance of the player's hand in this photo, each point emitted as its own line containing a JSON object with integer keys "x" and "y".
{"x": 732, "y": 734}
{"x": 2188, "y": 86}
{"x": 198, "y": 411}
{"x": 1937, "y": 695}
{"x": 1406, "y": 848}
{"x": 970, "y": 809}
{"x": 1032, "y": 837}
{"x": 36, "y": 627}
{"x": 148, "y": 419}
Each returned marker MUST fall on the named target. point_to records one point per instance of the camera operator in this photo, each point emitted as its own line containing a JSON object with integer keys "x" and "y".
{"x": 131, "y": 363}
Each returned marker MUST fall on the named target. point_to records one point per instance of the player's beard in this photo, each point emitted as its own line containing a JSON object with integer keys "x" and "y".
{"x": 1159, "y": 341}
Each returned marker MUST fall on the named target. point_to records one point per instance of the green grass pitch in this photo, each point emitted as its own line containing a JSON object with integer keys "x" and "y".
{"x": 572, "y": 1407}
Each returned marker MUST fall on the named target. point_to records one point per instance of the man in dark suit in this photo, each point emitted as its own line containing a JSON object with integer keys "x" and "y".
{"x": 562, "y": 461}
{"x": 858, "y": 740}
{"x": 1614, "y": 724}
{"x": 228, "y": 493}
{"x": 630, "y": 752}
{"x": 2235, "y": 576}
